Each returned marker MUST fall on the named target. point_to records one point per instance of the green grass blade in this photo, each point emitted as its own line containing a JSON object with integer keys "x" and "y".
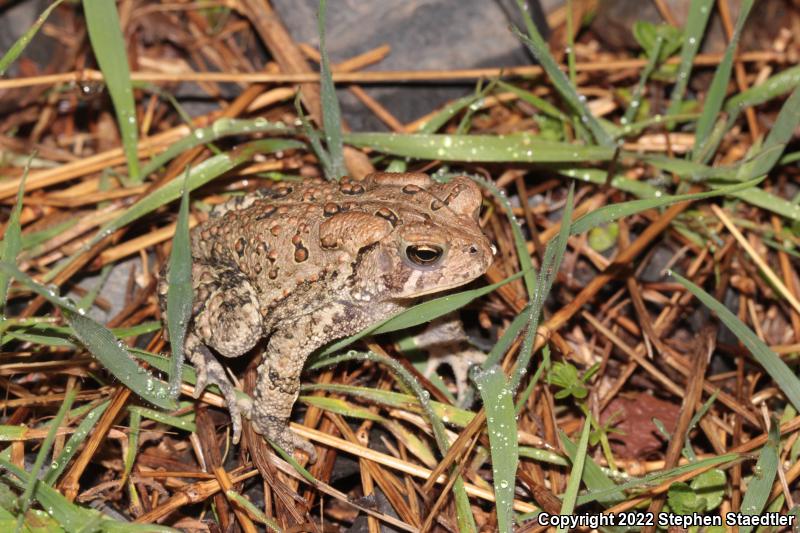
{"x": 199, "y": 175}
{"x": 108, "y": 45}
{"x": 134, "y": 425}
{"x": 184, "y": 423}
{"x": 520, "y": 243}
{"x": 502, "y": 426}
{"x": 12, "y": 241}
{"x": 769, "y": 360}
{"x": 102, "y": 344}
{"x": 719, "y": 85}
{"x": 18, "y": 47}
{"x": 179, "y": 292}
{"x": 551, "y": 262}
{"x": 769, "y": 201}
{"x": 696, "y": 21}
{"x": 420, "y": 314}
{"x": 610, "y": 213}
{"x": 75, "y": 440}
{"x": 538, "y": 47}
{"x": 74, "y": 518}
{"x": 331, "y": 116}
{"x": 539, "y": 103}
{"x": 638, "y": 92}
{"x": 33, "y": 480}
{"x": 779, "y": 136}
{"x": 517, "y": 147}
{"x": 593, "y": 476}
{"x": 771, "y": 88}
{"x": 222, "y": 127}
{"x": 760, "y": 486}
{"x": 656, "y": 478}
{"x": 256, "y": 513}
{"x": 570, "y": 496}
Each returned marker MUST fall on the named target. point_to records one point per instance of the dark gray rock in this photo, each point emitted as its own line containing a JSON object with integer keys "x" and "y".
{"x": 423, "y": 34}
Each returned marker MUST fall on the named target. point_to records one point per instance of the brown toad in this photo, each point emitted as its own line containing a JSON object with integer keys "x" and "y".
{"x": 304, "y": 263}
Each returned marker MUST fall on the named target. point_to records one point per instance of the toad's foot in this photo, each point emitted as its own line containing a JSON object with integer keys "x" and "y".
{"x": 210, "y": 372}
{"x": 277, "y": 430}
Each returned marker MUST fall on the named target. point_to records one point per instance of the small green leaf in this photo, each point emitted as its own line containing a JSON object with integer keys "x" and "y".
{"x": 683, "y": 500}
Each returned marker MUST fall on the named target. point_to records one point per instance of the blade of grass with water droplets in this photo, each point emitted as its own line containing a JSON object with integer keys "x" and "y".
{"x": 179, "y": 291}
{"x": 570, "y": 496}
{"x": 33, "y": 479}
{"x": 781, "y": 132}
{"x": 760, "y": 486}
{"x": 769, "y": 360}
{"x": 19, "y": 46}
{"x": 522, "y": 148}
{"x": 331, "y": 116}
{"x": 108, "y": 45}
{"x": 538, "y": 47}
{"x": 77, "y": 438}
{"x": 419, "y": 314}
{"x": 638, "y": 92}
{"x": 102, "y": 344}
{"x": 551, "y": 262}
{"x": 699, "y": 11}
{"x": 501, "y": 423}
{"x": 610, "y": 213}
{"x": 773, "y": 87}
{"x": 719, "y": 84}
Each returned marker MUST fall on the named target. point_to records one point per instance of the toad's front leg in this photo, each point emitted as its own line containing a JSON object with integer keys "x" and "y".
{"x": 279, "y": 377}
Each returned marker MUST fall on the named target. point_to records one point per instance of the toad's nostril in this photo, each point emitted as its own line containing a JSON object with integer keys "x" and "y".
{"x": 473, "y": 249}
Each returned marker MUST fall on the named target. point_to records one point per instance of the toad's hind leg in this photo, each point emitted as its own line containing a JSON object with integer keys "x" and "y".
{"x": 226, "y": 318}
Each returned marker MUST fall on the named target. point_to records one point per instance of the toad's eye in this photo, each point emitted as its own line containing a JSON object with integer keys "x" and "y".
{"x": 424, "y": 255}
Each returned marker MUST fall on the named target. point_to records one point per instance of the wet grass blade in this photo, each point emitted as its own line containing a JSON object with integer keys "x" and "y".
{"x": 12, "y": 241}
{"x": 779, "y": 136}
{"x": 612, "y": 212}
{"x": 33, "y": 479}
{"x": 719, "y": 85}
{"x": 769, "y": 360}
{"x": 699, "y": 11}
{"x": 419, "y": 314}
{"x": 538, "y": 47}
{"x": 570, "y": 496}
{"x": 593, "y": 476}
{"x": 771, "y": 88}
{"x": 179, "y": 292}
{"x": 522, "y": 147}
{"x": 74, "y": 518}
{"x": 551, "y": 262}
{"x": 520, "y": 243}
{"x": 638, "y": 92}
{"x": 18, "y": 47}
{"x": 108, "y": 45}
{"x": 760, "y": 486}
{"x": 502, "y": 426}
{"x": 331, "y": 115}
{"x": 102, "y": 344}
{"x": 75, "y": 440}
{"x": 199, "y": 175}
